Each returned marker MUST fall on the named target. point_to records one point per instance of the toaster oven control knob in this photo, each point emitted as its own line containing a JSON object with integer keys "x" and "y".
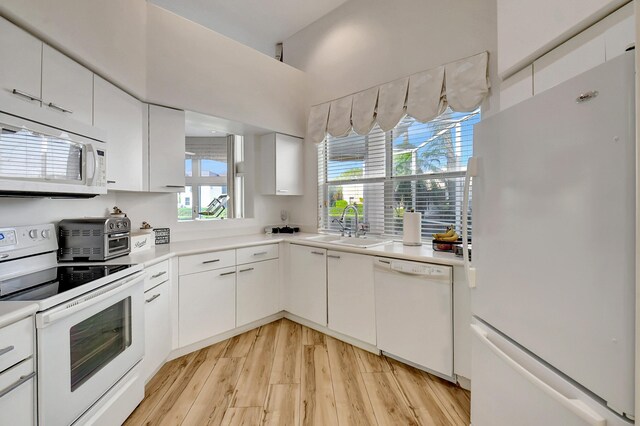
{"x": 46, "y": 234}
{"x": 119, "y": 225}
{"x": 33, "y": 233}
{"x": 110, "y": 225}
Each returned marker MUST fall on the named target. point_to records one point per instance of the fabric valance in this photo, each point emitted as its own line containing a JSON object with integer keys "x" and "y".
{"x": 461, "y": 85}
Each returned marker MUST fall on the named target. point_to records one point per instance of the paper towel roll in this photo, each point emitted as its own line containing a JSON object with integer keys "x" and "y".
{"x": 412, "y": 229}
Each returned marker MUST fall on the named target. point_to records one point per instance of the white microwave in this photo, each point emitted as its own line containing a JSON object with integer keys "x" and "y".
{"x": 44, "y": 161}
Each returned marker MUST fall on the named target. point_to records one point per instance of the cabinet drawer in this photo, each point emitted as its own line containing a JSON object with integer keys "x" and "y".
{"x": 156, "y": 274}
{"x": 206, "y": 261}
{"x": 257, "y": 253}
{"x": 16, "y": 342}
{"x": 18, "y": 404}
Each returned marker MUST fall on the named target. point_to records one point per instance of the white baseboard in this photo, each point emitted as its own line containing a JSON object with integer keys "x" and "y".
{"x": 177, "y": 353}
{"x": 322, "y": 329}
{"x": 464, "y": 382}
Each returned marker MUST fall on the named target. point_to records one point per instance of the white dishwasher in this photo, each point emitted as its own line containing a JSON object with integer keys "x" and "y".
{"x": 414, "y": 313}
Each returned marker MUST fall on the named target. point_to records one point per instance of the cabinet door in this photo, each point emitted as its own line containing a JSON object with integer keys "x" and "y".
{"x": 21, "y": 66}
{"x": 257, "y": 291}
{"x": 207, "y": 304}
{"x": 351, "y": 300}
{"x": 166, "y": 149}
{"x": 289, "y": 165}
{"x": 121, "y": 115}
{"x": 157, "y": 329}
{"x": 307, "y": 292}
{"x": 67, "y": 87}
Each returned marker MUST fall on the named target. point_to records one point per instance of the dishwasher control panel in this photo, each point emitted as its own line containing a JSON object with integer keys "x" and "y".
{"x": 420, "y": 269}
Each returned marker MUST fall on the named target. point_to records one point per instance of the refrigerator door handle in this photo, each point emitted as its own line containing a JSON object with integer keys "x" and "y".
{"x": 472, "y": 171}
{"x": 576, "y": 406}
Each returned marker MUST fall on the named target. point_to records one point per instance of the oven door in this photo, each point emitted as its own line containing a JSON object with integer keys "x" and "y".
{"x": 86, "y": 345}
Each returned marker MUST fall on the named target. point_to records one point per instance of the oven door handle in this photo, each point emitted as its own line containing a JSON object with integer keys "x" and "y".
{"x": 46, "y": 318}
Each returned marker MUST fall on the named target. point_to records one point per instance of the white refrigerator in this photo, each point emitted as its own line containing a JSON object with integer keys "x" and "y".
{"x": 553, "y": 206}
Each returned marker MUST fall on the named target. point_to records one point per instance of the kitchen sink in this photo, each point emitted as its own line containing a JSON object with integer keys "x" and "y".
{"x": 324, "y": 238}
{"x": 364, "y": 242}
{"x": 361, "y": 242}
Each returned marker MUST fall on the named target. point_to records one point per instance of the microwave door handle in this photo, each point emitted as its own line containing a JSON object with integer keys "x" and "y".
{"x": 91, "y": 173}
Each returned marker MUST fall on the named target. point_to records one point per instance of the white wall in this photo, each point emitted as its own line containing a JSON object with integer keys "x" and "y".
{"x": 219, "y": 76}
{"x": 106, "y": 36}
{"x": 364, "y": 43}
{"x": 528, "y": 29}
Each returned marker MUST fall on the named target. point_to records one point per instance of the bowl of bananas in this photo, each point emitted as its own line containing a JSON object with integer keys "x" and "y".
{"x": 447, "y": 240}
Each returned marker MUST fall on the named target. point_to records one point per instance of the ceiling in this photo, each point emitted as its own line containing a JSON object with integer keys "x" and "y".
{"x": 258, "y": 24}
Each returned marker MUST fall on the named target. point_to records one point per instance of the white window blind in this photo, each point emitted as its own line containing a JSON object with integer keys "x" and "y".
{"x": 415, "y": 165}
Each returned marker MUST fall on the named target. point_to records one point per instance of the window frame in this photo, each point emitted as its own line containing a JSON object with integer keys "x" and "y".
{"x": 196, "y": 181}
{"x": 383, "y": 224}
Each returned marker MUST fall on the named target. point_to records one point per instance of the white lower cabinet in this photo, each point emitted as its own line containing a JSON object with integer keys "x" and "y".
{"x": 207, "y": 304}
{"x": 157, "y": 329}
{"x": 17, "y": 377}
{"x": 307, "y": 286}
{"x": 351, "y": 295}
{"x": 257, "y": 291}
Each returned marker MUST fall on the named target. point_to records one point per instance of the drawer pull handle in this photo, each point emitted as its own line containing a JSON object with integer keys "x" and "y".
{"x": 318, "y": 253}
{"x": 152, "y": 298}
{"x": 159, "y": 274}
{"x": 26, "y": 95}
{"x": 174, "y": 186}
{"x": 246, "y": 270}
{"x": 260, "y": 253}
{"x": 20, "y": 381}
{"x": 333, "y": 256}
{"x": 385, "y": 261}
{"x": 59, "y": 108}
{"x": 228, "y": 273}
{"x": 210, "y": 261}
{"x": 284, "y": 191}
{"x": 6, "y": 350}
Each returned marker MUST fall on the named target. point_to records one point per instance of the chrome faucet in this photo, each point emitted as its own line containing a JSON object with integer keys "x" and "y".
{"x": 355, "y": 211}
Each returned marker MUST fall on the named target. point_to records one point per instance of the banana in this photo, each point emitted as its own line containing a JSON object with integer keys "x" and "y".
{"x": 450, "y": 239}
{"x": 450, "y": 233}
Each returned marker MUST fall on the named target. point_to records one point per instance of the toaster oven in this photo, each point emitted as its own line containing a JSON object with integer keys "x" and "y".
{"x": 94, "y": 239}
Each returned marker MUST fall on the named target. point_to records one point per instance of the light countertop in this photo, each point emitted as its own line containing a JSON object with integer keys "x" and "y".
{"x": 395, "y": 249}
{"x": 11, "y": 312}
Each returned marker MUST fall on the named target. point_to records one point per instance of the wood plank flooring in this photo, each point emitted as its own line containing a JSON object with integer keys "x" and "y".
{"x": 287, "y": 374}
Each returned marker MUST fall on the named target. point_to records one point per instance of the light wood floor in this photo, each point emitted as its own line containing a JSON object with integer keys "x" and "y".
{"x": 286, "y": 374}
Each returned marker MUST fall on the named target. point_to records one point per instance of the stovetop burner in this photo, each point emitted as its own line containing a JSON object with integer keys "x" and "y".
{"x": 53, "y": 281}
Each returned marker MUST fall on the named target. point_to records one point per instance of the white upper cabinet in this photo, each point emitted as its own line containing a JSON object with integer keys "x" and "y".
{"x": 528, "y": 29}
{"x": 282, "y": 164}
{"x": 122, "y": 117}
{"x": 21, "y": 66}
{"x": 67, "y": 87}
{"x": 601, "y": 42}
{"x": 166, "y": 149}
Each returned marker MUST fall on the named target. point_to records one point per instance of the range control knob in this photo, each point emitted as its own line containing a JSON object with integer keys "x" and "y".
{"x": 33, "y": 233}
{"x": 46, "y": 234}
